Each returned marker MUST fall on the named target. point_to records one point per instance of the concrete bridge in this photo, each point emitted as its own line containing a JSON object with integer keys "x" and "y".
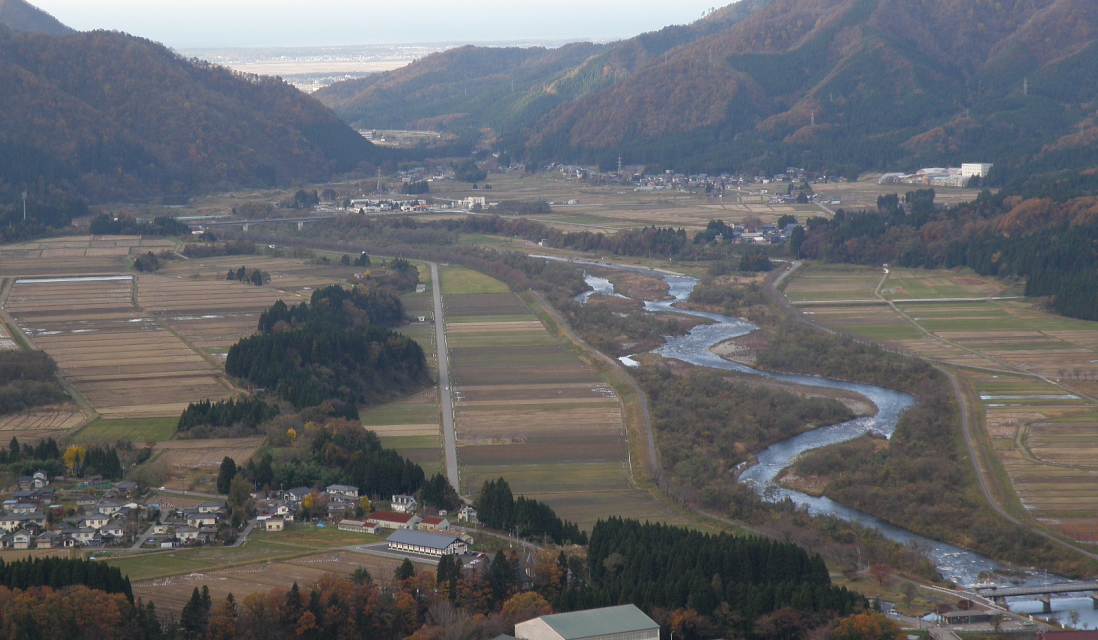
{"x": 247, "y": 223}
{"x": 998, "y": 595}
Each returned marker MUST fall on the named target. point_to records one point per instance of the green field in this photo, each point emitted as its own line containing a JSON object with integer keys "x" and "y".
{"x": 458, "y": 281}
{"x": 401, "y": 413}
{"x": 501, "y": 339}
{"x": 137, "y": 430}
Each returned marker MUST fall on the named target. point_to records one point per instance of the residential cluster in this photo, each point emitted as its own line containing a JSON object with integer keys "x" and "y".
{"x": 713, "y": 185}
{"x": 35, "y": 517}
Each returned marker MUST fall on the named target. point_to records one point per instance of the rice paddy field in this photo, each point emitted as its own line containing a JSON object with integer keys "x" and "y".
{"x": 123, "y": 362}
{"x": 528, "y": 409}
{"x": 75, "y": 255}
{"x": 301, "y": 554}
{"x": 1029, "y": 376}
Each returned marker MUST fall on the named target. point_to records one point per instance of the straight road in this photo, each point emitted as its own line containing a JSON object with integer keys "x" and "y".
{"x": 445, "y": 396}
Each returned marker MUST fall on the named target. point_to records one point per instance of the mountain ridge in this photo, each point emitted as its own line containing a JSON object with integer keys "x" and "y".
{"x": 23, "y": 16}
{"x": 845, "y": 85}
{"x": 109, "y": 116}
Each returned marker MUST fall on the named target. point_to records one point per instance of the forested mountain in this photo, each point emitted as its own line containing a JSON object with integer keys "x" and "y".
{"x": 21, "y": 16}
{"x": 888, "y": 84}
{"x": 108, "y": 115}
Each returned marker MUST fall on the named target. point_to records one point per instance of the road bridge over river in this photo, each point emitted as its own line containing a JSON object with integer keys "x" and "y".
{"x": 998, "y": 595}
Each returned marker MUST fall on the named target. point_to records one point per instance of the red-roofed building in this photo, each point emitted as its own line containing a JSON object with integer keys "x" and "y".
{"x": 394, "y": 520}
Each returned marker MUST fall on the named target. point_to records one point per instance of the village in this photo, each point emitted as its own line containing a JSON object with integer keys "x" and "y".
{"x": 94, "y": 514}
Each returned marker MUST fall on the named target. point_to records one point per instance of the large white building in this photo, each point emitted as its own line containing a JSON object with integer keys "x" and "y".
{"x": 422, "y": 542}
{"x": 625, "y": 622}
{"x": 969, "y": 169}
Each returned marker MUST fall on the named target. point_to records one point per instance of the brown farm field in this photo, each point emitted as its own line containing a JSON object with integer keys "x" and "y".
{"x": 120, "y": 360}
{"x": 529, "y": 409}
{"x": 1028, "y": 375}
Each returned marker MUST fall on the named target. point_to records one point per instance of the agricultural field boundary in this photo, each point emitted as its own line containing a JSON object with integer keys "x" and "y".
{"x": 978, "y": 451}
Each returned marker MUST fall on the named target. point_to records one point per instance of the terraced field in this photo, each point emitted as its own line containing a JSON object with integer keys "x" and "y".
{"x": 1031, "y": 376}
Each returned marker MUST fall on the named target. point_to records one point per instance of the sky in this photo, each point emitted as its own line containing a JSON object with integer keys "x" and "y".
{"x": 185, "y": 24}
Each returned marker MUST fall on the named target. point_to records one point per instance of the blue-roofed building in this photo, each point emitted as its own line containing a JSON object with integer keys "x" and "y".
{"x": 424, "y": 543}
{"x": 625, "y": 622}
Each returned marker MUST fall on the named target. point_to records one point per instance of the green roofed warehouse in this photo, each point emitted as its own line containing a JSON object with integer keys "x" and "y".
{"x": 625, "y": 622}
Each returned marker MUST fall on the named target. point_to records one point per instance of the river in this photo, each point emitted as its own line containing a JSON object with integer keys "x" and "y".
{"x": 958, "y": 565}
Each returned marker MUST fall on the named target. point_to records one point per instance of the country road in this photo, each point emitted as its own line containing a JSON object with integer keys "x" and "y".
{"x": 445, "y": 394}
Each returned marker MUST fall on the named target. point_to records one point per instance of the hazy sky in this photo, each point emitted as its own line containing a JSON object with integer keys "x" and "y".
{"x": 246, "y": 23}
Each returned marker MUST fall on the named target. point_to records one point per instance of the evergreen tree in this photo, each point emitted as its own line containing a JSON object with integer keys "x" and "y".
{"x": 405, "y": 570}
{"x": 225, "y": 475}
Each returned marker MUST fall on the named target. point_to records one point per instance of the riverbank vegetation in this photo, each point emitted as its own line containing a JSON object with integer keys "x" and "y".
{"x": 707, "y": 424}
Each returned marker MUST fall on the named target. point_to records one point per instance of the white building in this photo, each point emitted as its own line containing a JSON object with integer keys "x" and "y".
{"x": 969, "y": 169}
{"x": 625, "y": 622}
{"x": 404, "y": 504}
{"x": 431, "y": 544}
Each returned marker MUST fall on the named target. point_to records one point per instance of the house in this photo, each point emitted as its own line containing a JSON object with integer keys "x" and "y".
{"x": 25, "y": 482}
{"x": 125, "y": 486}
{"x": 81, "y": 535}
{"x": 404, "y": 504}
{"x": 207, "y": 534}
{"x": 391, "y": 520}
{"x": 342, "y": 491}
{"x": 10, "y": 522}
{"x": 48, "y": 540}
{"x": 9, "y": 505}
{"x": 40, "y": 479}
{"x": 86, "y": 500}
{"x": 95, "y": 521}
{"x": 21, "y": 508}
{"x": 358, "y": 526}
{"x": 274, "y": 524}
{"x": 421, "y": 542}
{"x": 186, "y": 533}
{"x": 115, "y": 530}
{"x": 158, "y": 529}
{"x": 625, "y": 621}
{"x": 170, "y": 543}
{"x": 21, "y": 540}
{"x": 108, "y": 508}
{"x": 201, "y": 519}
{"x": 297, "y": 494}
{"x": 468, "y": 514}
{"x": 434, "y": 523}
{"x": 211, "y": 507}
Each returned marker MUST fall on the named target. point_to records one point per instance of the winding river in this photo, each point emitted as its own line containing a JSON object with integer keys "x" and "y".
{"x": 954, "y": 563}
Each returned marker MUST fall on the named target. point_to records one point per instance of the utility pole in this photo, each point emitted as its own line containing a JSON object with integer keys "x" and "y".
{"x": 1025, "y": 86}
{"x": 24, "y": 206}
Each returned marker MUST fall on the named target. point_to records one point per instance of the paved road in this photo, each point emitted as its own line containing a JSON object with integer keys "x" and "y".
{"x": 141, "y": 539}
{"x": 445, "y": 396}
{"x": 243, "y": 537}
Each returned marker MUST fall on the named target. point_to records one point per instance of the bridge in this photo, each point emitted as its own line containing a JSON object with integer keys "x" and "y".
{"x": 246, "y": 223}
{"x": 998, "y": 595}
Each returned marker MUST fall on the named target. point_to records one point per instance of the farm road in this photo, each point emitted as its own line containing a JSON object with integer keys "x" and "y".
{"x": 445, "y": 395}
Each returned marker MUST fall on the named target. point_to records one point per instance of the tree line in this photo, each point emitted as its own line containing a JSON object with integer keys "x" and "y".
{"x": 249, "y": 412}
{"x": 1050, "y": 242}
{"x": 28, "y": 379}
{"x": 733, "y": 580}
{"x": 55, "y": 572}
{"x": 526, "y": 517}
